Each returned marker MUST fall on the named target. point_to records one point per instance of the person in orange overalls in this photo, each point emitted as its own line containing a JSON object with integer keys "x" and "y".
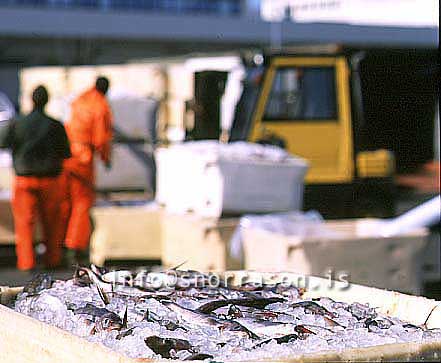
{"x": 90, "y": 132}
{"x": 39, "y": 145}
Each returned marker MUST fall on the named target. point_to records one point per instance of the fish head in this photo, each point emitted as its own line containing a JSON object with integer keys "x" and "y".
{"x": 163, "y": 346}
{"x": 39, "y": 283}
{"x": 234, "y": 312}
{"x": 81, "y": 277}
{"x": 109, "y": 322}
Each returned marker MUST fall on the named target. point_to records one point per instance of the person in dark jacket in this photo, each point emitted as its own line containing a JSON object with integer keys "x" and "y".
{"x": 39, "y": 145}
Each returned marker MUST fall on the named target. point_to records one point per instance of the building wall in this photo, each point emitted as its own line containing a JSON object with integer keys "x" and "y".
{"x": 409, "y": 13}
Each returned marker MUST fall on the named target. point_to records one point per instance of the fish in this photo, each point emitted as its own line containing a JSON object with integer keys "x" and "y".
{"x": 167, "y": 348}
{"x": 38, "y": 284}
{"x": 168, "y": 324}
{"x": 332, "y": 303}
{"x": 107, "y": 288}
{"x": 318, "y": 327}
{"x": 300, "y": 332}
{"x": 256, "y": 302}
{"x": 279, "y": 340}
{"x": 253, "y": 313}
{"x": 191, "y": 316}
{"x": 380, "y": 323}
{"x": 248, "y": 287}
{"x": 104, "y": 319}
{"x": 201, "y": 319}
{"x": 330, "y": 322}
{"x": 289, "y": 292}
{"x": 411, "y": 326}
{"x": 234, "y": 312}
{"x": 86, "y": 276}
{"x": 92, "y": 310}
{"x": 235, "y": 326}
{"x": 313, "y": 307}
{"x": 264, "y": 314}
{"x": 125, "y": 318}
{"x": 268, "y": 328}
{"x": 199, "y": 356}
{"x": 236, "y": 318}
{"x": 108, "y": 322}
{"x": 163, "y": 346}
{"x": 81, "y": 277}
{"x": 361, "y": 312}
{"x": 303, "y": 331}
{"x": 278, "y": 290}
{"x": 124, "y": 333}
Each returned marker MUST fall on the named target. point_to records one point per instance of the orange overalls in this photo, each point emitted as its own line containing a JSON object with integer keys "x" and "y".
{"x": 89, "y": 130}
{"x": 37, "y": 197}
{"x": 39, "y": 145}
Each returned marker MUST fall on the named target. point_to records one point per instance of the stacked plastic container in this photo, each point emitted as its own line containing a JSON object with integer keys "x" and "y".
{"x": 212, "y": 179}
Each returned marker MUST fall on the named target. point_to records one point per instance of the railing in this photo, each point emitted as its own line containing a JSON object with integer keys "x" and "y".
{"x": 214, "y": 7}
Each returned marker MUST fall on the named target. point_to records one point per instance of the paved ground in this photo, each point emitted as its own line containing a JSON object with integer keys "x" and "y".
{"x": 11, "y": 277}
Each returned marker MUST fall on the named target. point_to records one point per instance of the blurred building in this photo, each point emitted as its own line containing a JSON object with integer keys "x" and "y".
{"x": 408, "y": 13}
{"x": 105, "y": 31}
{"x": 57, "y": 32}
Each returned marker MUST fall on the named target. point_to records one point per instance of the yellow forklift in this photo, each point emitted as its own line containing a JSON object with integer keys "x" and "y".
{"x": 357, "y": 115}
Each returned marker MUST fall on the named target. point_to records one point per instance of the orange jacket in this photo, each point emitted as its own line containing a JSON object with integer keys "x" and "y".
{"x": 89, "y": 130}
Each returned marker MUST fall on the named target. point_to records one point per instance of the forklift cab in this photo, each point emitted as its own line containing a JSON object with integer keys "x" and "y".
{"x": 305, "y": 101}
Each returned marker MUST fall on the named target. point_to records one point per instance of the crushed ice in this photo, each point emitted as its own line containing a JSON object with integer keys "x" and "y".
{"x": 289, "y": 327}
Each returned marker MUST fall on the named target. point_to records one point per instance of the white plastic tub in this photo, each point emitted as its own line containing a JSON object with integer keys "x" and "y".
{"x": 210, "y": 184}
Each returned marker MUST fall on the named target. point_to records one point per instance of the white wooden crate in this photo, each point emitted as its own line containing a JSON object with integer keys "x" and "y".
{"x": 125, "y": 233}
{"x": 392, "y": 263}
{"x": 202, "y": 243}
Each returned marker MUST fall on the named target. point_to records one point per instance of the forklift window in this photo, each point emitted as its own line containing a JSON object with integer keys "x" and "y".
{"x": 302, "y": 93}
